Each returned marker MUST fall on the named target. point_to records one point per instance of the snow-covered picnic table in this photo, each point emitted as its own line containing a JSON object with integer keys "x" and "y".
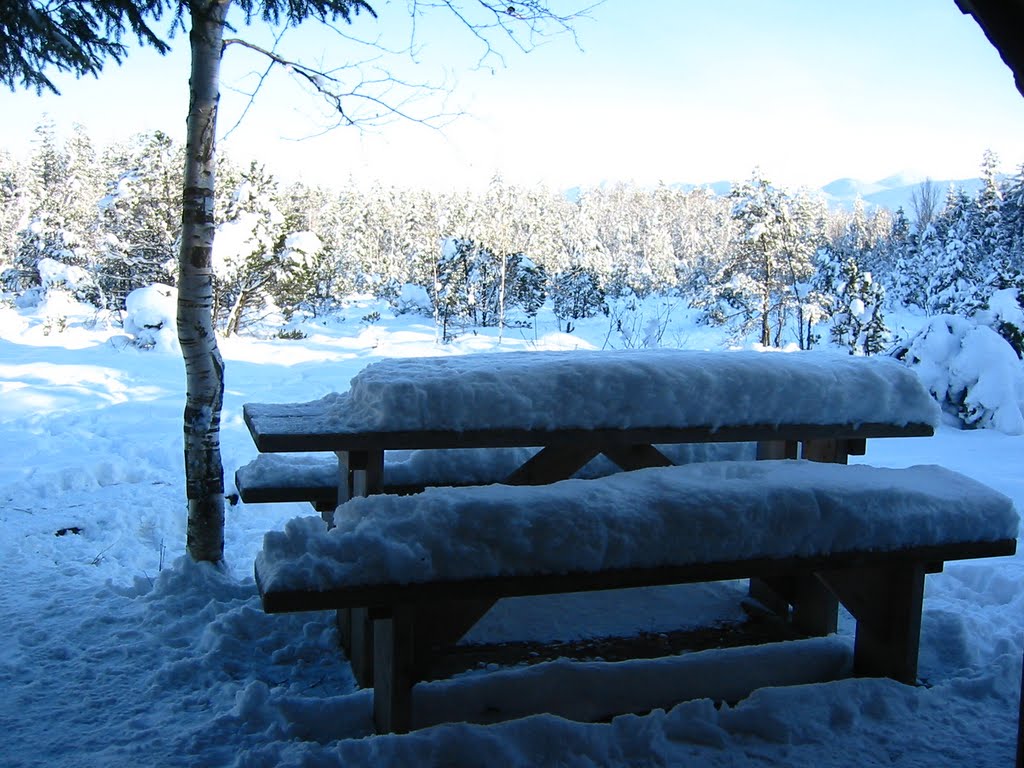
{"x": 577, "y": 405}
{"x": 533, "y": 418}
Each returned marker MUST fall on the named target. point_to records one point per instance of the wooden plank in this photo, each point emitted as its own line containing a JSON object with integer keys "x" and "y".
{"x": 367, "y": 468}
{"x": 798, "y": 597}
{"x": 886, "y": 601}
{"x": 640, "y": 456}
{"x": 815, "y": 608}
{"x": 360, "y": 649}
{"x": 543, "y": 584}
{"x": 828, "y": 450}
{"x": 550, "y": 464}
{"x": 395, "y": 662}
{"x": 440, "y": 626}
{"x": 290, "y": 428}
{"x": 776, "y": 449}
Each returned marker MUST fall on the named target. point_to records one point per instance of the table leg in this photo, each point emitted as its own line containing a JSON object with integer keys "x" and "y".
{"x": 360, "y": 473}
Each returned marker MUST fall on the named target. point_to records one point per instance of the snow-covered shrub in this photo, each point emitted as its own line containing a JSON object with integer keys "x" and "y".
{"x": 412, "y": 299}
{"x": 1005, "y": 316}
{"x": 55, "y": 276}
{"x": 151, "y": 317}
{"x": 971, "y": 370}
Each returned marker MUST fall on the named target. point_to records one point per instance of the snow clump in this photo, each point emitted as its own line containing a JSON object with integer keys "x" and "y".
{"x": 151, "y": 317}
{"x": 971, "y": 370}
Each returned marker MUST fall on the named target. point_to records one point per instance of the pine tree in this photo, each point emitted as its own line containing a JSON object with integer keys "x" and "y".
{"x": 858, "y": 323}
{"x": 576, "y": 293}
{"x": 13, "y": 207}
{"x": 754, "y": 289}
{"x": 1012, "y": 219}
{"x": 141, "y": 216}
{"x": 73, "y": 36}
{"x": 63, "y": 194}
{"x": 248, "y": 253}
{"x": 955, "y": 284}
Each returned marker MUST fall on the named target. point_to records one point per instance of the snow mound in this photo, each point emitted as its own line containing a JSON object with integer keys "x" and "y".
{"x": 151, "y": 317}
{"x": 971, "y": 371}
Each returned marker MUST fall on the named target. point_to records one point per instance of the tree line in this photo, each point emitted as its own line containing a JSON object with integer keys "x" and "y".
{"x": 770, "y": 264}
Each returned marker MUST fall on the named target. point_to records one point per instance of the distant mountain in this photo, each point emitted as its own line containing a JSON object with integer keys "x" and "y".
{"x": 891, "y": 192}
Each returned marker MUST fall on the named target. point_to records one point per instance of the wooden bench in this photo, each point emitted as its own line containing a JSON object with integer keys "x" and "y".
{"x": 428, "y": 566}
{"x": 313, "y": 477}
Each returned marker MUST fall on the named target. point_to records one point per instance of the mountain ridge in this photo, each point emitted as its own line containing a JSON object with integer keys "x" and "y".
{"x": 892, "y": 192}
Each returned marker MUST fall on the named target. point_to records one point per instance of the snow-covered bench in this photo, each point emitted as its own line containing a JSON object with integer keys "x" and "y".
{"x": 429, "y": 565}
{"x": 313, "y": 477}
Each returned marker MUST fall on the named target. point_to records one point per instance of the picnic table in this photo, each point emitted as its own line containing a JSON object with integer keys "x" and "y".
{"x": 570, "y": 407}
{"x": 576, "y": 405}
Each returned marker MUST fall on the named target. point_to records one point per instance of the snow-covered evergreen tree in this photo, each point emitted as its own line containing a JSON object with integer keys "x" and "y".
{"x": 247, "y": 252}
{"x": 576, "y": 293}
{"x": 955, "y": 284}
{"x": 858, "y": 321}
{"x": 141, "y": 217}
{"x": 13, "y": 208}
{"x": 63, "y": 191}
{"x": 754, "y": 289}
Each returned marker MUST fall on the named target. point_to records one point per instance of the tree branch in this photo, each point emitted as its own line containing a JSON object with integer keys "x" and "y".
{"x": 338, "y": 94}
{"x": 259, "y": 85}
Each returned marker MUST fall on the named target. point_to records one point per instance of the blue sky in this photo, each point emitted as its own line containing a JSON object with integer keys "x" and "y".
{"x": 661, "y": 91}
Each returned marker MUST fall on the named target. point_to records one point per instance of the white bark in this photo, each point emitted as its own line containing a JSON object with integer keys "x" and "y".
{"x": 204, "y": 367}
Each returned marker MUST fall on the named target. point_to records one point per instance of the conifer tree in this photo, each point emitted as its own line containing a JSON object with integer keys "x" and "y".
{"x": 141, "y": 216}
{"x": 248, "y": 258}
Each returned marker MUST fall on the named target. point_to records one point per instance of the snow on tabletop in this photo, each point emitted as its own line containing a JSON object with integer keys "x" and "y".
{"x": 698, "y": 513}
{"x": 625, "y": 389}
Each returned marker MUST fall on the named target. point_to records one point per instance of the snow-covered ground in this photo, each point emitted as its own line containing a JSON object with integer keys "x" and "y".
{"x": 117, "y": 651}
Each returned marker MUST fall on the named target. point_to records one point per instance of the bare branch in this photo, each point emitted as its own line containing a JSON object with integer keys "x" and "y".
{"x": 259, "y": 85}
{"x": 525, "y": 24}
{"x": 373, "y": 92}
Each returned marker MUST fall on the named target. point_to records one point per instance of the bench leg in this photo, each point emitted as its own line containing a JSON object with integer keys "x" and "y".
{"x": 395, "y": 670}
{"x": 815, "y": 610}
{"x": 886, "y": 602}
{"x": 827, "y": 451}
{"x": 776, "y": 449}
{"x": 360, "y": 473}
{"x": 360, "y": 651}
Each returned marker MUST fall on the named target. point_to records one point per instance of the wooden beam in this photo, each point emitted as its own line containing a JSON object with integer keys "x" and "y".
{"x": 1002, "y": 22}
{"x": 553, "y": 463}
{"x": 301, "y": 427}
{"x": 830, "y": 451}
{"x": 630, "y": 457}
{"x": 776, "y": 449}
{"x": 395, "y": 664}
{"x": 886, "y": 602}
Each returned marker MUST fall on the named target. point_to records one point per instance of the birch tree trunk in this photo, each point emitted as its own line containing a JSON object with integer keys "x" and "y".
{"x": 204, "y": 367}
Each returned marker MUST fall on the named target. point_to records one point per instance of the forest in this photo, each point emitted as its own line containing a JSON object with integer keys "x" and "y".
{"x": 771, "y": 265}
